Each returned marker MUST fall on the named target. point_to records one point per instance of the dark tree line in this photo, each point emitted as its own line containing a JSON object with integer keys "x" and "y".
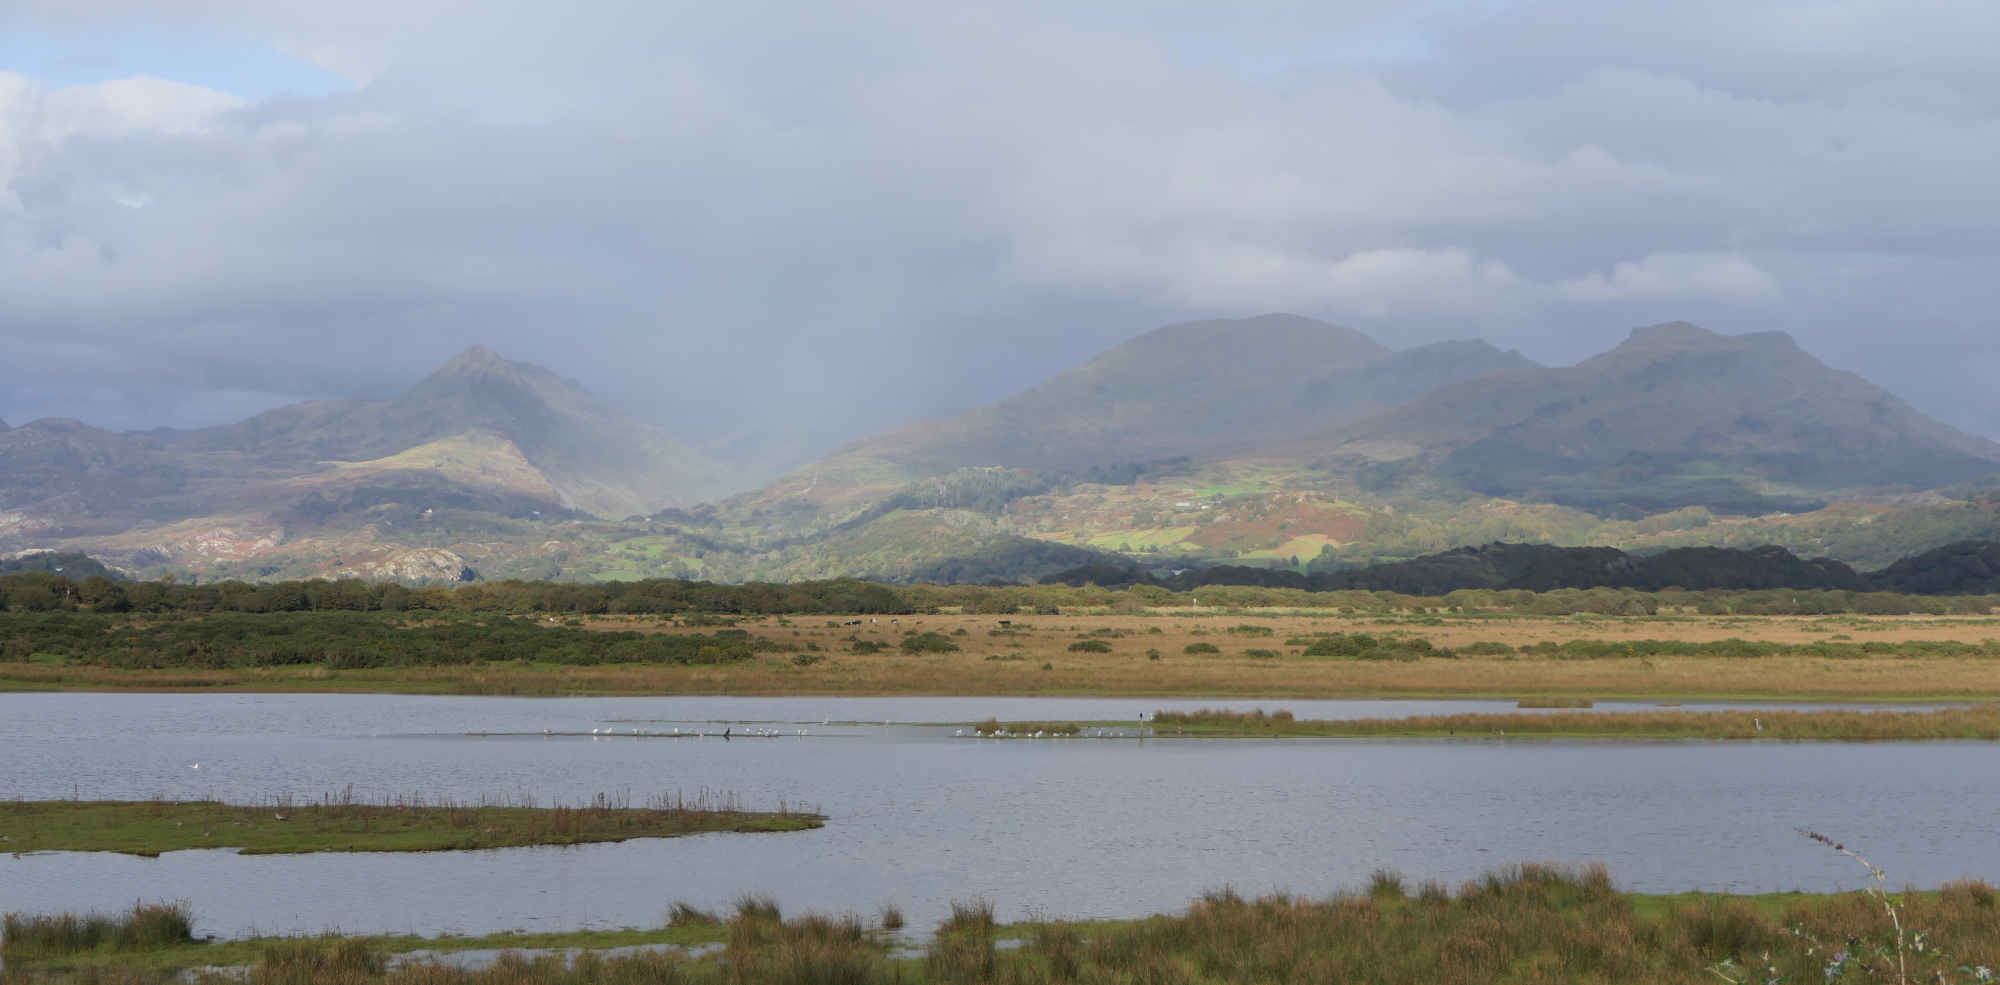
{"x": 1965, "y": 568}
{"x": 45, "y": 591}
{"x": 346, "y": 640}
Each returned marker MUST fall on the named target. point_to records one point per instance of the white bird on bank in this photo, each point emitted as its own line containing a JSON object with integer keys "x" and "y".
{"x": 194, "y": 766}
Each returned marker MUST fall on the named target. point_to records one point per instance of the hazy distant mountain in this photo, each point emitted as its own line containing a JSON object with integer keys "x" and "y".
{"x": 78, "y": 475}
{"x": 1388, "y": 381}
{"x": 594, "y": 460}
{"x": 1197, "y": 389}
{"x": 482, "y": 436}
{"x": 1675, "y": 416}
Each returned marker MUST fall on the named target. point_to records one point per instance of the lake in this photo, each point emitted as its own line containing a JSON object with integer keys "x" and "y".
{"x": 919, "y": 817}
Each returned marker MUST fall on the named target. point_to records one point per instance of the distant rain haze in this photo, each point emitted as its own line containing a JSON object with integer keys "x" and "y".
{"x": 774, "y": 227}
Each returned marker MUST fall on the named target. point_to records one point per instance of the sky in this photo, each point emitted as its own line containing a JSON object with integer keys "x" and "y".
{"x": 792, "y": 224}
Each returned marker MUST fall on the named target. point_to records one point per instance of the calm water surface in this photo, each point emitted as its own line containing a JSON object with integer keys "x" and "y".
{"x": 917, "y": 817}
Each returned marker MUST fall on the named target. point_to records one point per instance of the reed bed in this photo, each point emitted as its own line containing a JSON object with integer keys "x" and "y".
{"x": 407, "y": 823}
{"x": 1529, "y": 924}
{"x": 147, "y": 926}
{"x": 1973, "y": 723}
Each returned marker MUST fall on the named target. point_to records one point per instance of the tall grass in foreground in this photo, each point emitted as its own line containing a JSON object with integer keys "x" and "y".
{"x": 147, "y": 926}
{"x": 1531, "y": 924}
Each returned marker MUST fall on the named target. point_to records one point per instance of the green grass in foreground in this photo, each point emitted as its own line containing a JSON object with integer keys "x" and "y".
{"x": 341, "y": 825}
{"x": 1521, "y": 925}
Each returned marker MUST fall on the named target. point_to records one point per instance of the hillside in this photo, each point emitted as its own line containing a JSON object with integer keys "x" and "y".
{"x": 1676, "y": 416}
{"x": 1197, "y": 390}
{"x": 592, "y": 459}
{"x": 480, "y": 446}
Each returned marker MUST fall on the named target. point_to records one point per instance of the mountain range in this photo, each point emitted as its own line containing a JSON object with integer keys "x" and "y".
{"x": 1276, "y": 440}
{"x": 1676, "y": 416}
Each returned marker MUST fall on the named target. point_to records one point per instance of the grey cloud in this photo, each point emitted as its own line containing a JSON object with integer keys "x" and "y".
{"x": 819, "y": 219}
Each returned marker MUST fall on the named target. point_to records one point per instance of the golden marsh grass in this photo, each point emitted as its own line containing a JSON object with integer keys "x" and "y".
{"x": 1258, "y": 654}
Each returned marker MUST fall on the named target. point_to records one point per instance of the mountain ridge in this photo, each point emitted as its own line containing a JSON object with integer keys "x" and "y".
{"x": 1276, "y": 440}
{"x": 1634, "y": 428}
{"x": 584, "y": 457}
{"x": 1199, "y": 389}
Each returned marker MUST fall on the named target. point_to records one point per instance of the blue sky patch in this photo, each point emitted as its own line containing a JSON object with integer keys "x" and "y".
{"x": 242, "y": 66}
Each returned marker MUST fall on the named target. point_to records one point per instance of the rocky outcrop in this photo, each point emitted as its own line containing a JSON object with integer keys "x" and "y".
{"x": 424, "y": 566}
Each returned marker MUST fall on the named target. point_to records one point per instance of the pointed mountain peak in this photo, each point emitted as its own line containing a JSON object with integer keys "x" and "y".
{"x": 478, "y": 390}
{"x": 3, "y": 426}
{"x": 479, "y": 366}
{"x": 476, "y": 361}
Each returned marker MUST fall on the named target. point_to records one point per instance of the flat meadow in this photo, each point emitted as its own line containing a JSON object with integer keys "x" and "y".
{"x": 1198, "y": 651}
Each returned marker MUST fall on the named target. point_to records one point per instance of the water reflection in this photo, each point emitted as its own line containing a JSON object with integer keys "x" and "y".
{"x": 919, "y": 818}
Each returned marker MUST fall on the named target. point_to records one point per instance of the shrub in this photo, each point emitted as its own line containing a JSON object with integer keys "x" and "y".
{"x": 928, "y": 643}
{"x": 1090, "y": 646}
{"x": 1385, "y": 884}
{"x": 1201, "y": 648}
{"x": 684, "y": 914}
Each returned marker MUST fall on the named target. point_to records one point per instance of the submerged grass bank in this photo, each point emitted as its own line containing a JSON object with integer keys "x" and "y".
{"x": 341, "y": 824}
{"x": 1522, "y": 925}
{"x": 1976, "y": 723}
{"x": 157, "y": 938}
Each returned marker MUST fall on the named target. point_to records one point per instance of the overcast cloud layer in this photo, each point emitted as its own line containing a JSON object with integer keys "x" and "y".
{"x": 816, "y": 220}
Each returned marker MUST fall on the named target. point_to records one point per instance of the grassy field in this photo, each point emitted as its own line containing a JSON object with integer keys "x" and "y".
{"x": 341, "y": 825}
{"x": 1525, "y": 924}
{"x": 1166, "y": 652}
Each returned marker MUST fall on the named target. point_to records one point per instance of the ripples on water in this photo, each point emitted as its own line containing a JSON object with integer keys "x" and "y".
{"x": 1059, "y": 828}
